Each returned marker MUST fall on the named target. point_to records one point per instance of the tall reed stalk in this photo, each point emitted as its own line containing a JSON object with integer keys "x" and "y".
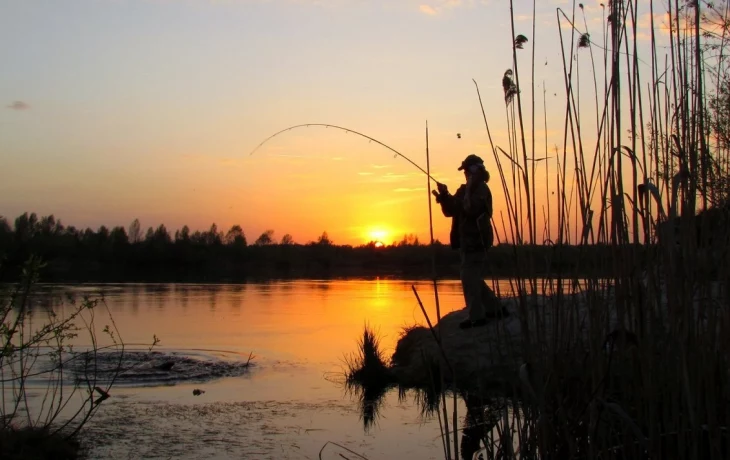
{"x": 633, "y": 361}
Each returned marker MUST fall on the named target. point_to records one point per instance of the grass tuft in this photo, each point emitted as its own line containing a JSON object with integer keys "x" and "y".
{"x": 368, "y": 376}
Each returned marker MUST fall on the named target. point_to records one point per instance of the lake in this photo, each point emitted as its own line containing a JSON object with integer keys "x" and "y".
{"x": 290, "y": 403}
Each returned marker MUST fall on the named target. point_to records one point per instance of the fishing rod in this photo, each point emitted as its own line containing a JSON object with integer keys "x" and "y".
{"x": 347, "y": 130}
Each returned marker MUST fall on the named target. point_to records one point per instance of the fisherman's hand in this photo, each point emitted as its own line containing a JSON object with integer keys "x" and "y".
{"x": 442, "y": 188}
{"x": 437, "y": 195}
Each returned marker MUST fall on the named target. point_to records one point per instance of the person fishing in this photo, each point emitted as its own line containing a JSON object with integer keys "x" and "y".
{"x": 470, "y": 210}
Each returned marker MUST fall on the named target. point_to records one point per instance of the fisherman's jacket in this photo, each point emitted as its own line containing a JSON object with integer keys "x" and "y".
{"x": 471, "y": 226}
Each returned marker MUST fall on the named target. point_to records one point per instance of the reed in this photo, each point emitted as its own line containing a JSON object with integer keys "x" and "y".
{"x": 635, "y": 365}
{"x": 632, "y": 365}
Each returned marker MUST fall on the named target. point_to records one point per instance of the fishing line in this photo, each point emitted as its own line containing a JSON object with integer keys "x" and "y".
{"x": 347, "y": 130}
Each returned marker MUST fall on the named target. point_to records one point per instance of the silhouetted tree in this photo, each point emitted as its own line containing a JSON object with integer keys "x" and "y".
{"x": 212, "y": 237}
{"x": 71, "y": 231}
{"x": 265, "y": 239}
{"x": 198, "y": 237}
{"x": 118, "y": 237}
{"x": 324, "y": 240}
{"x": 409, "y": 240}
{"x": 6, "y": 236}
{"x": 25, "y": 227}
{"x": 102, "y": 236}
{"x": 161, "y": 236}
{"x": 135, "y": 232}
{"x": 88, "y": 236}
{"x": 182, "y": 235}
{"x": 236, "y": 236}
{"x": 4, "y": 226}
{"x": 48, "y": 226}
{"x": 108, "y": 255}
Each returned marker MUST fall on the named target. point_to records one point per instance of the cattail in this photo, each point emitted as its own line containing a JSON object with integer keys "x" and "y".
{"x": 509, "y": 87}
{"x": 520, "y": 41}
{"x": 584, "y": 41}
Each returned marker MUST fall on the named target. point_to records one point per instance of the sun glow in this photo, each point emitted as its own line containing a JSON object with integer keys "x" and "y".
{"x": 379, "y": 235}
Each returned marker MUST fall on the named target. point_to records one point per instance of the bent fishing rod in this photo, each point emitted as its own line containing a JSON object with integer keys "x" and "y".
{"x": 346, "y": 130}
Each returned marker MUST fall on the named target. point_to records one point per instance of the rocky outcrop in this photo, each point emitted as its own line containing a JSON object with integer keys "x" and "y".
{"x": 484, "y": 357}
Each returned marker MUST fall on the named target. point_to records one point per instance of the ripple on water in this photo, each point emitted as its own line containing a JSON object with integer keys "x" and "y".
{"x": 161, "y": 367}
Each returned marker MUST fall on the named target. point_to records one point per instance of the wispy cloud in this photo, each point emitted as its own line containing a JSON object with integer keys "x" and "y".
{"x": 19, "y": 105}
{"x": 366, "y": 173}
{"x": 427, "y": 9}
{"x": 380, "y": 166}
{"x": 436, "y": 7}
{"x": 390, "y": 177}
{"x": 408, "y": 190}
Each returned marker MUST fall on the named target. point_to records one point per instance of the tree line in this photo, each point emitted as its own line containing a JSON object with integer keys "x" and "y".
{"x": 120, "y": 254}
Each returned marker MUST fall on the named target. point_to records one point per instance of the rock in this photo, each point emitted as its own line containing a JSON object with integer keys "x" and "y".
{"x": 482, "y": 357}
{"x": 197, "y": 392}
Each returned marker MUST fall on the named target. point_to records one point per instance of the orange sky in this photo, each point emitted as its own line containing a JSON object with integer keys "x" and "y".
{"x": 149, "y": 109}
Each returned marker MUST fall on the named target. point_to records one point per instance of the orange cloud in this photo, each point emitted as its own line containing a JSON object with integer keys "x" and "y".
{"x": 427, "y": 9}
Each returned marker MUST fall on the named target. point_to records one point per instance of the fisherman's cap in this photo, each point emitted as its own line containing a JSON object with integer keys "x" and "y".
{"x": 470, "y": 161}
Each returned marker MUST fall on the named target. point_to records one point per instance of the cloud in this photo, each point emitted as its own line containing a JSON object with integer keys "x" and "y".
{"x": 19, "y": 105}
{"x": 427, "y": 9}
{"x": 437, "y": 7}
{"x": 391, "y": 177}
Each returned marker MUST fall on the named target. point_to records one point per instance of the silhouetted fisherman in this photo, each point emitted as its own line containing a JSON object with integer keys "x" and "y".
{"x": 471, "y": 232}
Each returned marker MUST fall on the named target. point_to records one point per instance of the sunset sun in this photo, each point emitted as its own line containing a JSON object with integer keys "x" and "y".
{"x": 379, "y": 236}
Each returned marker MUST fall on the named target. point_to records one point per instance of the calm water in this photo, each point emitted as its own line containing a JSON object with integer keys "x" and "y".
{"x": 290, "y": 403}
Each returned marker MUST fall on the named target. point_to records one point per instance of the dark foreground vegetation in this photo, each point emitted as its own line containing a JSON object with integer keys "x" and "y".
{"x": 633, "y": 363}
{"x": 50, "y": 385}
{"x": 117, "y": 255}
{"x": 37, "y": 444}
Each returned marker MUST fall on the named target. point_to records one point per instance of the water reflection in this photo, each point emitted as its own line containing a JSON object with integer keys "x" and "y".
{"x": 308, "y": 321}
{"x": 213, "y": 297}
{"x": 161, "y": 295}
{"x": 264, "y": 289}
{"x": 182, "y": 294}
{"x": 134, "y": 297}
{"x": 312, "y": 323}
{"x": 236, "y": 295}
